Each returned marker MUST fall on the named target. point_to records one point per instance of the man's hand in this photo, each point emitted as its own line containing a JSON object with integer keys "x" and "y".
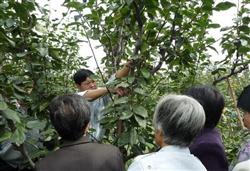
{"x": 121, "y": 91}
{"x": 124, "y": 71}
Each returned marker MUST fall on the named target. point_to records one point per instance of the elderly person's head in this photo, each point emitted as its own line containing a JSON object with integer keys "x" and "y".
{"x": 211, "y": 100}
{"x": 177, "y": 120}
{"x": 70, "y": 115}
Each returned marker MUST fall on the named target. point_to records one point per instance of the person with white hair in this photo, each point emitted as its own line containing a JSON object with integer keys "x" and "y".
{"x": 177, "y": 120}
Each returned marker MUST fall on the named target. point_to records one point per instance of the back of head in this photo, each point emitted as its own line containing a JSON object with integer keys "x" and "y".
{"x": 244, "y": 99}
{"x": 81, "y": 75}
{"x": 69, "y": 115}
{"x": 211, "y": 100}
{"x": 180, "y": 118}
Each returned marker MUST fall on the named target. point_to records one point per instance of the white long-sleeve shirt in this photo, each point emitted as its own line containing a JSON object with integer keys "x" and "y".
{"x": 169, "y": 158}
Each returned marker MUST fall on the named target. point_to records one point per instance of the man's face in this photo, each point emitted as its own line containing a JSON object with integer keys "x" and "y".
{"x": 88, "y": 84}
{"x": 246, "y": 120}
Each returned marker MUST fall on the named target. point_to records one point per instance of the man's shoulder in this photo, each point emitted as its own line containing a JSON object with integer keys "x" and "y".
{"x": 144, "y": 157}
{"x": 104, "y": 147}
{"x": 211, "y": 138}
{"x": 89, "y": 151}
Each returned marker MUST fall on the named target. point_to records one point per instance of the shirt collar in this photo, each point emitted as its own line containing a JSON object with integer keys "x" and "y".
{"x": 174, "y": 148}
{"x": 82, "y": 140}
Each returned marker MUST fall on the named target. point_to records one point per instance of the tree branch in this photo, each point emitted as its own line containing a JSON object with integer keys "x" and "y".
{"x": 138, "y": 15}
{"x": 232, "y": 94}
{"x": 140, "y": 24}
{"x": 24, "y": 152}
{"x": 164, "y": 50}
{"x": 93, "y": 53}
{"x": 233, "y": 72}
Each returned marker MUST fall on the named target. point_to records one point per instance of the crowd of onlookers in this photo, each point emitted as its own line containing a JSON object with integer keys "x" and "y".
{"x": 185, "y": 131}
{"x": 184, "y": 126}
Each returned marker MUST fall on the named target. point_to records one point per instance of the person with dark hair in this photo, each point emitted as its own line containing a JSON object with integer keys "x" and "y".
{"x": 177, "y": 120}
{"x": 208, "y": 146}
{"x": 98, "y": 96}
{"x": 70, "y": 115}
{"x": 244, "y": 152}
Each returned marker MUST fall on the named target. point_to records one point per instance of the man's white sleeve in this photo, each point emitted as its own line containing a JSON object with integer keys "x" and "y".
{"x": 81, "y": 93}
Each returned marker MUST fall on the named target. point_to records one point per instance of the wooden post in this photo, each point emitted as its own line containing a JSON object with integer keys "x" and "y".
{"x": 232, "y": 94}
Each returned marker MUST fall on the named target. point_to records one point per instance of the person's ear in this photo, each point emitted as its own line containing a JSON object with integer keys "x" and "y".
{"x": 86, "y": 129}
{"x": 159, "y": 138}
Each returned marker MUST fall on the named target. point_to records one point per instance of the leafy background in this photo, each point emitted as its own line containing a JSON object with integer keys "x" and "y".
{"x": 168, "y": 40}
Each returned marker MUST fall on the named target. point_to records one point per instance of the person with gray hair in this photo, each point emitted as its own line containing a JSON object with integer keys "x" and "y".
{"x": 177, "y": 120}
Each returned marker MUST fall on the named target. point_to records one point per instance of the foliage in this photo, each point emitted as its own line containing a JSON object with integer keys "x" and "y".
{"x": 167, "y": 40}
{"x": 35, "y": 65}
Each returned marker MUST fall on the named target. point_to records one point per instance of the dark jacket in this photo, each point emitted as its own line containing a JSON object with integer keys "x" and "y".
{"x": 83, "y": 155}
{"x": 209, "y": 149}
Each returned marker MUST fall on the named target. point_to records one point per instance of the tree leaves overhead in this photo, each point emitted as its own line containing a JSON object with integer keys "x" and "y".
{"x": 167, "y": 40}
{"x": 222, "y": 6}
{"x": 37, "y": 59}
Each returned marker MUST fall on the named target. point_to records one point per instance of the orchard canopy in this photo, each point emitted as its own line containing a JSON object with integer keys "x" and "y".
{"x": 168, "y": 39}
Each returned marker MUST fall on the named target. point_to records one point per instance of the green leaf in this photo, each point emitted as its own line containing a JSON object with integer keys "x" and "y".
{"x": 123, "y": 84}
{"x": 213, "y": 48}
{"x": 145, "y": 73}
{"x": 21, "y": 11}
{"x": 126, "y": 115}
{"x": 77, "y": 5}
{"x": 18, "y": 136}
{"x": 21, "y": 54}
{"x": 43, "y": 106}
{"x": 3, "y": 105}
{"x": 151, "y": 25}
{"x": 131, "y": 79}
{"x": 121, "y": 100}
{"x": 224, "y": 6}
{"x": 11, "y": 114}
{"x": 129, "y": 1}
{"x": 36, "y": 124}
{"x": 244, "y": 49}
{"x": 125, "y": 11}
{"x": 214, "y": 25}
{"x": 244, "y": 29}
{"x": 140, "y": 110}
{"x": 10, "y": 22}
{"x": 133, "y": 136}
{"x": 226, "y": 28}
{"x": 246, "y": 20}
{"x": 141, "y": 121}
{"x": 218, "y": 70}
{"x": 139, "y": 91}
{"x": 9, "y": 40}
{"x": 74, "y": 24}
{"x": 6, "y": 135}
{"x": 19, "y": 89}
{"x": 124, "y": 139}
{"x": 43, "y": 51}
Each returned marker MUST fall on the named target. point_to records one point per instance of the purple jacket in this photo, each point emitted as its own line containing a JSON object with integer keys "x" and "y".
{"x": 209, "y": 149}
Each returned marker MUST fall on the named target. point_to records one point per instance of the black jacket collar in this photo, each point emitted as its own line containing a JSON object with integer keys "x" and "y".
{"x": 82, "y": 140}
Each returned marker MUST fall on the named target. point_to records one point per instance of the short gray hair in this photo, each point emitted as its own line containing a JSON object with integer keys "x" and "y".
{"x": 180, "y": 118}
